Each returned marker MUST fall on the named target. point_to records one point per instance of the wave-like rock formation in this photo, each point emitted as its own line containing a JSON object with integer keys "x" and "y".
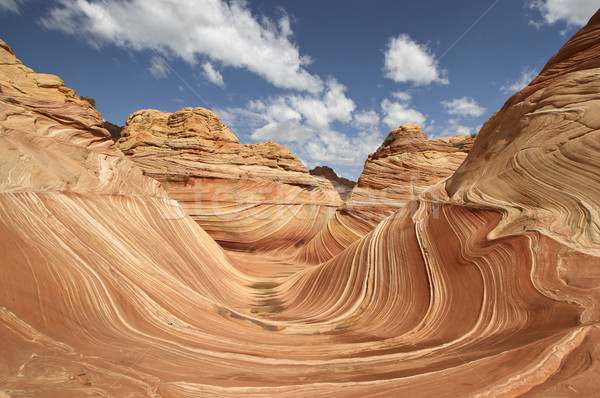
{"x": 404, "y": 166}
{"x": 257, "y": 196}
{"x": 484, "y": 285}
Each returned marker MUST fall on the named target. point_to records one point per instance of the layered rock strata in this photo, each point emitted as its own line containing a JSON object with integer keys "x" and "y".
{"x": 50, "y": 140}
{"x": 406, "y": 164}
{"x": 489, "y": 290}
{"x": 256, "y": 196}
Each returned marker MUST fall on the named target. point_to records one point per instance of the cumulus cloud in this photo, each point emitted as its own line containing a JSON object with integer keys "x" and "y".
{"x": 316, "y": 112}
{"x": 526, "y": 76}
{"x": 224, "y": 32}
{"x": 572, "y": 12}
{"x": 455, "y": 128}
{"x": 463, "y": 107}
{"x": 213, "y": 75}
{"x": 408, "y": 61}
{"x": 365, "y": 119}
{"x": 306, "y": 124}
{"x": 396, "y": 113}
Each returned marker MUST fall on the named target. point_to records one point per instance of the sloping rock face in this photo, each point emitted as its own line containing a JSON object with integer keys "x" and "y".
{"x": 541, "y": 150}
{"x": 342, "y": 185}
{"x": 89, "y": 245}
{"x": 256, "y": 196}
{"x": 50, "y": 140}
{"x": 469, "y": 290}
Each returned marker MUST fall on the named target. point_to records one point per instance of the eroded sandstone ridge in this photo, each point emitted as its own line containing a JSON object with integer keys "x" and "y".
{"x": 245, "y": 196}
{"x": 406, "y": 164}
{"x": 53, "y": 141}
{"x": 484, "y": 285}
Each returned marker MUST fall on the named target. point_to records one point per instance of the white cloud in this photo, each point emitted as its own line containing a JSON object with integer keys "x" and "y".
{"x": 572, "y": 12}
{"x": 315, "y": 111}
{"x": 463, "y": 107}
{"x": 402, "y": 96}
{"x": 213, "y": 75}
{"x": 409, "y": 61}
{"x": 11, "y": 6}
{"x": 365, "y": 119}
{"x": 527, "y": 75}
{"x": 455, "y": 128}
{"x": 396, "y": 114}
{"x": 225, "y": 32}
{"x": 304, "y": 123}
{"x": 158, "y": 68}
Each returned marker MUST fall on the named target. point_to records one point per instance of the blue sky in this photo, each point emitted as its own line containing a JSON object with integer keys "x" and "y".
{"x": 326, "y": 78}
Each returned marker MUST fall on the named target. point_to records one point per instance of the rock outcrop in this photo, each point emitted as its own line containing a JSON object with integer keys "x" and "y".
{"x": 342, "y": 185}
{"x": 483, "y": 285}
{"x": 245, "y": 196}
{"x": 113, "y": 129}
{"x": 541, "y": 150}
{"x": 406, "y": 164}
{"x": 51, "y": 140}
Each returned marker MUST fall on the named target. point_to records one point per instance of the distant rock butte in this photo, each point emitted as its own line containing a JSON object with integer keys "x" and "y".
{"x": 406, "y": 164}
{"x": 245, "y": 196}
{"x": 195, "y": 141}
{"x": 342, "y": 185}
{"x": 484, "y": 284}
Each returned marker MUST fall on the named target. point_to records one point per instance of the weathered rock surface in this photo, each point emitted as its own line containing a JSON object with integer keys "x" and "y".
{"x": 50, "y": 140}
{"x": 113, "y": 129}
{"x": 485, "y": 285}
{"x": 541, "y": 150}
{"x": 256, "y": 196}
{"x": 406, "y": 164}
{"x": 342, "y": 185}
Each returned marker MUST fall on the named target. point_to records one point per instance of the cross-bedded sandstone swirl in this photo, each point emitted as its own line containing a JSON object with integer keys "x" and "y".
{"x": 256, "y": 196}
{"x": 468, "y": 290}
{"x": 404, "y": 166}
{"x": 541, "y": 150}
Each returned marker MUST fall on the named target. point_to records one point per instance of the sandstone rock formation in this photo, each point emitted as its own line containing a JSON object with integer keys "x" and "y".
{"x": 342, "y": 185}
{"x": 113, "y": 129}
{"x": 50, "y": 140}
{"x": 484, "y": 285}
{"x": 256, "y": 196}
{"x": 404, "y": 166}
{"x": 407, "y": 163}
